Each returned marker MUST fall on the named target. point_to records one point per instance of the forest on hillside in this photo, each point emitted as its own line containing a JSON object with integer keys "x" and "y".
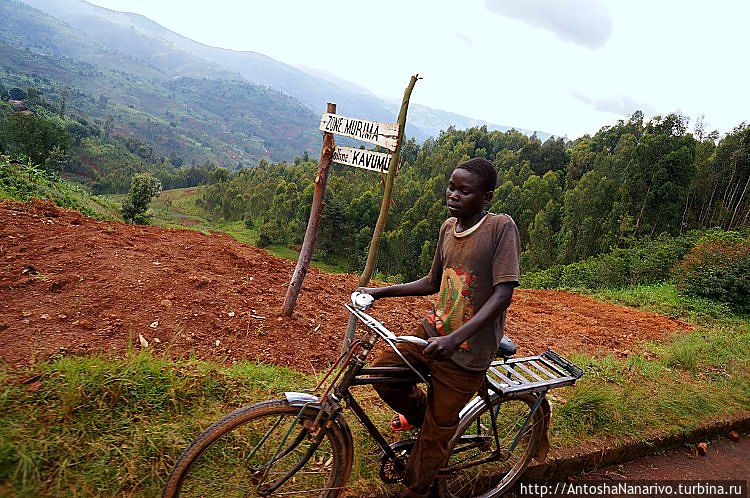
{"x": 53, "y": 134}
{"x": 632, "y": 181}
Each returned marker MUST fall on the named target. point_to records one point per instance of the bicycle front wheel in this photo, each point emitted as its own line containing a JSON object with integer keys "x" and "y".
{"x": 250, "y": 451}
{"x": 490, "y": 466}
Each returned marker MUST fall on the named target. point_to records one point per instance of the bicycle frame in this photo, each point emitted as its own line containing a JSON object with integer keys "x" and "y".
{"x": 319, "y": 416}
{"x": 352, "y": 372}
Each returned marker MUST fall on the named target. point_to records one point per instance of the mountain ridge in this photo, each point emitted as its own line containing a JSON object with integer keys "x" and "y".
{"x": 132, "y": 59}
{"x": 313, "y": 87}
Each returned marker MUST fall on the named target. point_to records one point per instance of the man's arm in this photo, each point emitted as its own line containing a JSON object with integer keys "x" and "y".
{"x": 421, "y": 287}
{"x": 441, "y": 348}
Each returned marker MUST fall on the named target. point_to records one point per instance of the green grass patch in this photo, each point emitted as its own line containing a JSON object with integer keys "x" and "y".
{"x": 95, "y": 427}
{"x": 182, "y": 208}
{"x": 667, "y": 300}
{"x": 672, "y": 387}
{"x": 292, "y": 254}
{"x": 24, "y": 182}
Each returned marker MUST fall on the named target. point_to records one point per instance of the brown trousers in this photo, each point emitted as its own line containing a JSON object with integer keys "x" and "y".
{"x": 437, "y": 412}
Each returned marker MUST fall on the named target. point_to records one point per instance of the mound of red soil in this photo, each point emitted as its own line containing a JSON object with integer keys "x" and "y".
{"x": 71, "y": 284}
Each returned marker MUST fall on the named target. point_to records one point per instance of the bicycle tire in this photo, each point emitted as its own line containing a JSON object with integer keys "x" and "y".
{"x": 233, "y": 457}
{"x": 474, "y": 440}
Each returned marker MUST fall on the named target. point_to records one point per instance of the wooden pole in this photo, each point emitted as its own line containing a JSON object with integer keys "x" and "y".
{"x": 313, "y": 223}
{"x": 372, "y": 255}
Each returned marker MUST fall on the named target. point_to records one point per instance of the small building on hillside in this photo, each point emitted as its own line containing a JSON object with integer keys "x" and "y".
{"x": 18, "y": 105}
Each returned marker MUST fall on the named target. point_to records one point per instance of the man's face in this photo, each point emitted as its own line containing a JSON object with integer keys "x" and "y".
{"x": 465, "y": 196}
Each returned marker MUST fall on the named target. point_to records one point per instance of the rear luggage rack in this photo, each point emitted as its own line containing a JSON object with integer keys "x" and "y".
{"x": 532, "y": 373}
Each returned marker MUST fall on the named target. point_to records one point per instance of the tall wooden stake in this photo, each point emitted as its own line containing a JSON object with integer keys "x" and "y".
{"x": 316, "y": 213}
{"x": 372, "y": 255}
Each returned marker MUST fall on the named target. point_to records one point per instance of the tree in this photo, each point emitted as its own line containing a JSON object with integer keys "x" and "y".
{"x": 143, "y": 187}
{"x": 63, "y": 102}
{"x": 541, "y": 251}
{"x": 56, "y": 160}
{"x": 33, "y": 136}
{"x": 16, "y": 93}
{"x": 109, "y": 124}
{"x": 586, "y": 210}
{"x": 3, "y": 93}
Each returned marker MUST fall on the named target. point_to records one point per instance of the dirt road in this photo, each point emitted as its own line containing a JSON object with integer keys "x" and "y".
{"x": 724, "y": 459}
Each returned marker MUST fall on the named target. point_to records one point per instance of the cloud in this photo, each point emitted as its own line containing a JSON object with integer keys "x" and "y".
{"x": 623, "y": 105}
{"x": 465, "y": 39}
{"x": 584, "y": 22}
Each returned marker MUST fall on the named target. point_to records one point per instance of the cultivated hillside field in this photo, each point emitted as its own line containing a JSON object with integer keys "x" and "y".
{"x": 70, "y": 284}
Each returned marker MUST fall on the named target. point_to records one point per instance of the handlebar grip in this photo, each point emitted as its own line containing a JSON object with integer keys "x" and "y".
{"x": 362, "y": 300}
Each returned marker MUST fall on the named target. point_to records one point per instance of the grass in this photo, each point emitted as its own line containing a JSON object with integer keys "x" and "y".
{"x": 291, "y": 254}
{"x": 90, "y": 426}
{"x": 180, "y": 208}
{"x": 23, "y": 182}
{"x": 93, "y": 427}
{"x": 671, "y": 386}
{"x": 620, "y": 399}
{"x": 666, "y": 300}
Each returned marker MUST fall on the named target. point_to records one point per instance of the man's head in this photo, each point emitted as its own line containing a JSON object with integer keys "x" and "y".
{"x": 484, "y": 170}
{"x": 470, "y": 187}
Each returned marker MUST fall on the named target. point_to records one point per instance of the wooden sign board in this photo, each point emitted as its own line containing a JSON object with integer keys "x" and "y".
{"x": 365, "y": 159}
{"x": 383, "y": 134}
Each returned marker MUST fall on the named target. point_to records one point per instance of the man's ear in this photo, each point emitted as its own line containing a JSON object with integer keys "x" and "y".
{"x": 488, "y": 197}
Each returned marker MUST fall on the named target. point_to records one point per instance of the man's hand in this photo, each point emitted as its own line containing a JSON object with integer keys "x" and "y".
{"x": 440, "y": 348}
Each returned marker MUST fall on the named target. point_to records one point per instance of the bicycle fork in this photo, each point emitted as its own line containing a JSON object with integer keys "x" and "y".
{"x": 316, "y": 430}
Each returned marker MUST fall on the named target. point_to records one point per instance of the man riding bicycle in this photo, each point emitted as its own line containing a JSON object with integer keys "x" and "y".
{"x": 474, "y": 272}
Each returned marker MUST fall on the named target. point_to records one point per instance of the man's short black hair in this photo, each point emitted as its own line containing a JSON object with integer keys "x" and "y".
{"x": 484, "y": 169}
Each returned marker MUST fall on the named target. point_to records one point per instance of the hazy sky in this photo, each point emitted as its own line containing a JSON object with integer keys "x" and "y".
{"x": 566, "y": 67}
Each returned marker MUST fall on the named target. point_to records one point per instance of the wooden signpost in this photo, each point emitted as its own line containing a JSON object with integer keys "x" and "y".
{"x": 383, "y": 134}
{"x": 387, "y": 135}
{"x": 360, "y": 158}
{"x": 377, "y": 234}
{"x": 316, "y": 213}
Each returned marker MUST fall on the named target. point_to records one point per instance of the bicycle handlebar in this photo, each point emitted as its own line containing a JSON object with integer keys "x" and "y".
{"x": 362, "y": 301}
{"x": 412, "y": 339}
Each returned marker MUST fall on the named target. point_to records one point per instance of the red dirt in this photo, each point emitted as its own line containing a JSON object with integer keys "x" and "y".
{"x": 725, "y": 459}
{"x": 71, "y": 285}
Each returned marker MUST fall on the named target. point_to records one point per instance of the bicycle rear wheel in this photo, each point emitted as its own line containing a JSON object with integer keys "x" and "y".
{"x": 249, "y": 450}
{"x": 475, "y": 441}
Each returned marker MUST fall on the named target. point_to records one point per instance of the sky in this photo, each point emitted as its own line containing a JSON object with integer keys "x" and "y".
{"x": 565, "y": 67}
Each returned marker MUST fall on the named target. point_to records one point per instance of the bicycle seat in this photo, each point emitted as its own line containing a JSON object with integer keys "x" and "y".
{"x": 506, "y": 349}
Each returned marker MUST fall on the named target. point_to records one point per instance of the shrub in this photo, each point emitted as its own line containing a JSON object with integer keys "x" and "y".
{"x": 247, "y": 219}
{"x": 647, "y": 262}
{"x": 651, "y": 263}
{"x": 719, "y": 269}
{"x": 543, "y": 279}
{"x": 143, "y": 187}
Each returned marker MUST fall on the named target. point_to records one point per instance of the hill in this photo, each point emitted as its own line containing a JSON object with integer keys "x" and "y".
{"x": 151, "y": 91}
{"x": 72, "y": 285}
{"x": 168, "y": 53}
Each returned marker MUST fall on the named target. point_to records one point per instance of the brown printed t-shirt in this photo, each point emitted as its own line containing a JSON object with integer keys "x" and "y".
{"x": 466, "y": 269}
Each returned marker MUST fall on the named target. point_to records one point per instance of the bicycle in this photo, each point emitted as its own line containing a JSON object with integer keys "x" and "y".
{"x": 302, "y": 444}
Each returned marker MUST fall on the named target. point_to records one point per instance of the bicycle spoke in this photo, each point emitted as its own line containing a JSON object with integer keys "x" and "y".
{"x": 268, "y": 450}
{"x": 480, "y": 461}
